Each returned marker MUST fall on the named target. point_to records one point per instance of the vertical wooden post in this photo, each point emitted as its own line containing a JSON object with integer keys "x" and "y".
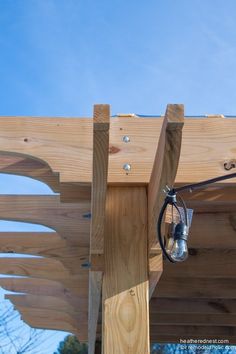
{"x": 163, "y": 173}
{"x": 101, "y": 122}
{"x": 125, "y": 281}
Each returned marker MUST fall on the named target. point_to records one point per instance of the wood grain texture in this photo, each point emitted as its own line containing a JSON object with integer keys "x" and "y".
{"x": 65, "y": 145}
{"x": 192, "y": 306}
{"x": 165, "y": 165}
{"x": 73, "y": 308}
{"x": 199, "y": 319}
{"x": 57, "y": 320}
{"x": 95, "y": 291}
{"x": 101, "y": 121}
{"x": 37, "y": 286}
{"x": 99, "y": 177}
{"x": 198, "y": 287}
{"x": 30, "y": 167}
{"x": 47, "y": 244}
{"x": 125, "y": 282}
{"x": 35, "y": 267}
{"x": 205, "y": 262}
{"x": 163, "y": 174}
{"x": 158, "y": 338}
{"x": 66, "y": 218}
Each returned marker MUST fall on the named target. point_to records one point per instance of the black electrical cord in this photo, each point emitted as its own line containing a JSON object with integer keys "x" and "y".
{"x": 193, "y": 186}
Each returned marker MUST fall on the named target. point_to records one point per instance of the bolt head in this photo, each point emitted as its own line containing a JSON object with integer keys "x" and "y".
{"x": 126, "y": 139}
{"x": 127, "y": 167}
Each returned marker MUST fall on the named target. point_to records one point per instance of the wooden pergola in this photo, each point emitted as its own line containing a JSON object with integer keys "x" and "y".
{"x": 102, "y": 273}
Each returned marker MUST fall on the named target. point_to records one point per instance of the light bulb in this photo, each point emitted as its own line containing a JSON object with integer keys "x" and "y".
{"x": 179, "y": 251}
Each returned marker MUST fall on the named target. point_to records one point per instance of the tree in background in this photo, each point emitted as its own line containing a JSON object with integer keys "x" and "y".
{"x": 71, "y": 345}
{"x": 191, "y": 349}
{"x": 16, "y": 337}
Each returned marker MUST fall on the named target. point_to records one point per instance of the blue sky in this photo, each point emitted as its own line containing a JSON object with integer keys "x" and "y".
{"x": 59, "y": 57}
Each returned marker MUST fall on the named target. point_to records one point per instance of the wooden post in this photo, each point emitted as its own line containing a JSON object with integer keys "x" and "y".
{"x": 163, "y": 173}
{"x": 125, "y": 280}
{"x": 101, "y": 123}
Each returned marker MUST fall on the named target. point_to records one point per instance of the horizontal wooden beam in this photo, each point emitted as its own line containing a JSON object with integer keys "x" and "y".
{"x": 195, "y": 287}
{"x": 50, "y": 303}
{"x": 199, "y": 319}
{"x": 163, "y": 339}
{"x": 47, "y": 244}
{"x": 192, "y": 306}
{"x": 45, "y": 287}
{"x": 65, "y": 145}
{"x": 209, "y": 263}
{"x": 30, "y": 167}
{"x": 68, "y": 219}
{"x": 56, "y": 320}
{"x": 35, "y": 267}
{"x": 213, "y": 230}
{"x": 188, "y": 330}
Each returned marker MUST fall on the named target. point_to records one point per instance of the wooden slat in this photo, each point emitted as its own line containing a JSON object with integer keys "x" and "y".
{"x": 68, "y": 219}
{"x": 65, "y": 145}
{"x": 177, "y": 287}
{"x": 210, "y": 263}
{"x": 184, "y": 331}
{"x": 45, "y": 287}
{"x": 199, "y": 319}
{"x": 213, "y": 230}
{"x": 48, "y": 244}
{"x": 192, "y": 306}
{"x": 56, "y": 320}
{"x": 30, "y": 167}
{"x": 163, "y": 173}
{"x": 216, "y": 193}
{"x": 35, "y": 267}
{"x": 125, "y": 282}
{"x": 49, "y": 303}
{"x": 157, "y": 338}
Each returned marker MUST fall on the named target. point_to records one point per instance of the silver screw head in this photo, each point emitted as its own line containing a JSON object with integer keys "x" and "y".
{"x": 127, "y": 167}
{"x": 126, "y": 139}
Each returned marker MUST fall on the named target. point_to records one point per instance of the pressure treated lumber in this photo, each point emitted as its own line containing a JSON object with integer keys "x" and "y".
{"x": 45, "y": 287}
{"x": 99, "y": 178}
{"x": 125, "y": 281}
{"x": 163, "y": 174}
{"x": 101, "y": 123}
{"x": 197, "y": 287}
{"x": 192, "y": 306}
{"x": 192, "y": 320}
{"x": 68, "y": 219}
{"x": 30, "y": 167}
{"x": 187, "y": 330}
{"x": 77, "y": 307}
{"x": 210, "y": 263}
{"x": 35, "y": 267}
{"x": 65, "y": 145}
{"x": 56, "y": 320}
{"x": 157, "y": 338}
{"x": 47, "y": 244}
